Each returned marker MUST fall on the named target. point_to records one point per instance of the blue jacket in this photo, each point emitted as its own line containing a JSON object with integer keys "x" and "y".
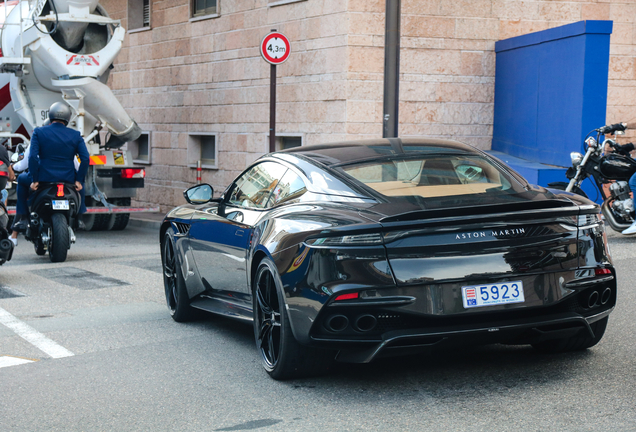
{"x": 53, "y": 148}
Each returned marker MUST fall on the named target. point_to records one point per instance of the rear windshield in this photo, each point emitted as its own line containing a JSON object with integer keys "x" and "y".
{"x": 434, "y": 177}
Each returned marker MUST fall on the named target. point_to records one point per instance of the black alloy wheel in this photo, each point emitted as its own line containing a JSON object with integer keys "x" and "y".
{"x": 281, "y": 355}
{"x": 173, "y": 282}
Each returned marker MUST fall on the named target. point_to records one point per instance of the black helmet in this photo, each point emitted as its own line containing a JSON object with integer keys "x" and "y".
{"x": 60, "y": 111}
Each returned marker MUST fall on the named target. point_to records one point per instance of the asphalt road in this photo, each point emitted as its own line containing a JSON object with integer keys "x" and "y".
{"x": 103, "y": 354}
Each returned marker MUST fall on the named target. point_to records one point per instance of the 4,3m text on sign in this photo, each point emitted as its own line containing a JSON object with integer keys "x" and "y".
{"x": 275, "y": 48}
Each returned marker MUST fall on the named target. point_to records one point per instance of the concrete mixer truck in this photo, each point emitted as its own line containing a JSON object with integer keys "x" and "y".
{"x": 63, "y": 50}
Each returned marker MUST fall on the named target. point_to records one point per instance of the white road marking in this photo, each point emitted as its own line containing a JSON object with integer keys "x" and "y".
{"x": 33, "y": 336}
{"x": 6, "y": 361}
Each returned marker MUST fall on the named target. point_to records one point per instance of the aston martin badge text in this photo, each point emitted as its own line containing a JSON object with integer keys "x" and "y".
{"x": 493, "y": 233}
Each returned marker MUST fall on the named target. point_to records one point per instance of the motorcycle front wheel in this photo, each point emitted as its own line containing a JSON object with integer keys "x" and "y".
{"x": 562, "y": 186}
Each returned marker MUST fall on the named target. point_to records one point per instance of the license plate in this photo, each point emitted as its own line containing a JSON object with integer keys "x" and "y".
{"x": 492, "y": 294}
{"x": 60, "y": 204}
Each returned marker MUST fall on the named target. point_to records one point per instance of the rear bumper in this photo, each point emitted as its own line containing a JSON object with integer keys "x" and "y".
{"x": 422, "y": 340}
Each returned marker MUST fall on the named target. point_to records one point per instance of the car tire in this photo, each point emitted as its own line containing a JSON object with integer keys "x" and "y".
{"x": 575, "y": 343}
{"x": 177, "y": 298}
{"x": 281, "y": 355}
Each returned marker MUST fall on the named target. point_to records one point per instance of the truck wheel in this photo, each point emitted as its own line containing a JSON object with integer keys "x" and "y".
{"x": 60, "y": 241}
{"x": 120, "y": 220}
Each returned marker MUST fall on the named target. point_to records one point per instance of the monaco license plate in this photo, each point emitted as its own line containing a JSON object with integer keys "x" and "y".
{"x": 60, "y": 204}
{"x": 492, "y": 294}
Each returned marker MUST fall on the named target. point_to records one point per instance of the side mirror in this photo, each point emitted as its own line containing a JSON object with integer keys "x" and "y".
{"x": 199, "y": 194}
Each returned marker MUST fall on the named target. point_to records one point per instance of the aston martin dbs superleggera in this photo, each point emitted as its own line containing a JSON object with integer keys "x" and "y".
{"x": 356, "y": 250}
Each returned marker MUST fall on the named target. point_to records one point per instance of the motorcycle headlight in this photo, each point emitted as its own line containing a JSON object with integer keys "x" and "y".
{"x": 576, "y": 158}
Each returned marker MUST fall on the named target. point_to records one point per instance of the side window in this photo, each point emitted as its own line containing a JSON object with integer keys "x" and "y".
{"x": 254, "y": 187}
{"x": 290, "y": 187}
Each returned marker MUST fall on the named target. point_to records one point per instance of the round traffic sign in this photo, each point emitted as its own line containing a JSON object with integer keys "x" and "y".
{"x": 275, "y": 48}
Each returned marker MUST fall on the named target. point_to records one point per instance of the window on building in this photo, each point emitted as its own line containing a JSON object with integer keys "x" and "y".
{"x": 287, "y": 142}
{"x": 140, "y": 148}
{"x": 203, "y": 7}
{"x": 138, "y": 14}
{"x": 203, "y": 147}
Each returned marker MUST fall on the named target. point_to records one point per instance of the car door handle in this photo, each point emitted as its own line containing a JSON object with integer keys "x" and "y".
{"x": 239, "y": 233}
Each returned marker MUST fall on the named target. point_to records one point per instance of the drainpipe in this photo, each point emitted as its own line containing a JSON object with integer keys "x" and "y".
{"x": 391, "y": 69}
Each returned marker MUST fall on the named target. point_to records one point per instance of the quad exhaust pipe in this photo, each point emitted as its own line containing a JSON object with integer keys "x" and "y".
{"x": 597, "y": 298}
{"x": 362, "y": 323}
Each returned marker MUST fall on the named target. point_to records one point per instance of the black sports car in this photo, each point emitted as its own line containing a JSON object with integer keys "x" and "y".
{"x": 356, "y": 250}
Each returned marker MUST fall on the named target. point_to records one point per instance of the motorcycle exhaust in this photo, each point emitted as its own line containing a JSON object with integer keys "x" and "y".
{"x": 611, "y": 220}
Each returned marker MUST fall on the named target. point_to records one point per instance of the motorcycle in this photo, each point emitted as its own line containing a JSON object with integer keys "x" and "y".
{"x": 54, "y": 210}
{"x": 611, "y": 169}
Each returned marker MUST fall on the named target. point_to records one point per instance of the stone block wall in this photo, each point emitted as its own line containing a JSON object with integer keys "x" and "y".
{"x": 184, "y": 76}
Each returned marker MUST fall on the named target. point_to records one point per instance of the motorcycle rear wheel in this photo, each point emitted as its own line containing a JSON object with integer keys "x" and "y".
{"x": 60, "y": 240}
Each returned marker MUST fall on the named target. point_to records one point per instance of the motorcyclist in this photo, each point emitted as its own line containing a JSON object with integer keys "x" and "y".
{"x": 52, "y": 151}
{"x": 626, "y": 149}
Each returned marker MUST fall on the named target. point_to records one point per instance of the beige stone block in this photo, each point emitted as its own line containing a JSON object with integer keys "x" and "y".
{"x": 472, "y": 63}
{"x": 621, "y": 12}
{"x": 364, "y": 111}
{"x": 622, "y": 96}
{"x": 461, "y": 92}
{"x": 512, "y": 28}
{"x": 475, "y": 28}
{"x": 560, "y": 11}
{"x": 421, "y": 7}
{"x": 412, "y": 91}
{"x": 428, "y": 112}
{"x": 622, "y": 67}
{"x": 366, "y": 90}
{"x": 516, "y": 10}
{"x": 623, "y": 33}
{"x": 597, "y": 11}
{"x": 366, "y": 59}
{"x": 423, "y": 26}
{"x": 434, "y": 62}
{"x": 366, "y": 23}
{"x": 466, "y": 8}
{"x": 376, "y": 6}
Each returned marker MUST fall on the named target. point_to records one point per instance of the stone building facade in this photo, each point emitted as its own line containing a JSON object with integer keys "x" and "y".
{"x": 190, "y": 73}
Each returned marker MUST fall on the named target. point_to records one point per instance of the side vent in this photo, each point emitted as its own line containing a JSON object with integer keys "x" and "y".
{"x": 182, "y": 228}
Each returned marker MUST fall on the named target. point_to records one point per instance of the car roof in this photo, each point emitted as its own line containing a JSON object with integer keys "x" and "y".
{"x": 346, "y": 152}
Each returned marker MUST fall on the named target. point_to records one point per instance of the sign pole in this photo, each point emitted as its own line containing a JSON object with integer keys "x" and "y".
{"x": 272, "y": 109}
{"x": 275, "y": 49}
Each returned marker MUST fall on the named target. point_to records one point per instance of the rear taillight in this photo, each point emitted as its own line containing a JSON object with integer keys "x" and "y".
{"x": 602, "y": 271}
{"x": 60, "y": 190}
{"x": 347, "y": 240}
{"x": 130, "y": 173}
{"x": 348, "y": 296}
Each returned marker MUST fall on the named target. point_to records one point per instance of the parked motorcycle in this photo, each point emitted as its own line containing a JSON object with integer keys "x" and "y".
{"x": 613, "y": 169}
{"x": 54, "y": 209}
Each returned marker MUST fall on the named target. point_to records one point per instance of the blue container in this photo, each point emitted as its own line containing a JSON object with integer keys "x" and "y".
{"x": 550, "y": 91}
